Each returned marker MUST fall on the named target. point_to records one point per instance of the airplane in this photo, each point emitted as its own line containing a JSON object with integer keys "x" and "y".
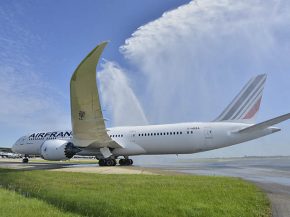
{"x": 6, "y": 153}
{"x": 90, "y": 137}
{"x": 9, "y": 155}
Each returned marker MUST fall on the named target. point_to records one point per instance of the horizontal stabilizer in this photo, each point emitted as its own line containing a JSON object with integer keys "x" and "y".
{"x": 265, "y": 124}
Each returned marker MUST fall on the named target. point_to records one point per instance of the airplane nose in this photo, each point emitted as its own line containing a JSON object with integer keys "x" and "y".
{"x": 14, "y": 147}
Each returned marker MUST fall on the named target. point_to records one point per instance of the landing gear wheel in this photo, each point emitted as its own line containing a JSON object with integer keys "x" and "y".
{"x": 122, "y": 162}
{"x": 101, "y": 162}
{"x": 107, "y": 162}
{"x": 114, "y": 162}
{"x": 125, "y": 162}
{"x": 25, "y": 160}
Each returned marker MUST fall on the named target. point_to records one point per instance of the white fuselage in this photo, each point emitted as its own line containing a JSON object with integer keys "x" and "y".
{"x": 183, "y": 138}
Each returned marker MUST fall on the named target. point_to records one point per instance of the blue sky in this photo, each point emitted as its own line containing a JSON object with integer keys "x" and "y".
{"x": 167, "y": 61}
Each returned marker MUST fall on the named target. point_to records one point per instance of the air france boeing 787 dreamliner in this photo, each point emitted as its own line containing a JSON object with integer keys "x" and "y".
{"x": 89, "y": 136}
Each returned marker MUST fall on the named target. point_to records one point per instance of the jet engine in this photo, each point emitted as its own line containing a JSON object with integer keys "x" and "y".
{"x": 58, "y": 150}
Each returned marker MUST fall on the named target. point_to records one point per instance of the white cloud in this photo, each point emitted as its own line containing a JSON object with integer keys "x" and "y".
{"x": 27, "y": 101}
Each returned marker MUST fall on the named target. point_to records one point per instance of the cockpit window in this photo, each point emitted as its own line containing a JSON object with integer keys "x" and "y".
{"x": 21, "y": 140}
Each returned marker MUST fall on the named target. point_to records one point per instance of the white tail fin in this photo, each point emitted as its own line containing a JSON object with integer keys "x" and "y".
{"x": 246, "y": 104}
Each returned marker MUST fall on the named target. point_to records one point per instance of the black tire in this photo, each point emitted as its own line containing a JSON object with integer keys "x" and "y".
{"x": 25, "y": 160}
{"x": 121, "y": 162}
{"x": 109, "y": 162}
{"x": 101, "y": 162}
{"x": 131, "y": 161}
{"x": 114, "y": 162}
{"x": 127, "y": 162}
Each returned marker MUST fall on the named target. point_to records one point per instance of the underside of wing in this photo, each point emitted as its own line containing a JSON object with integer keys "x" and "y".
{"x": 86, "y": 113}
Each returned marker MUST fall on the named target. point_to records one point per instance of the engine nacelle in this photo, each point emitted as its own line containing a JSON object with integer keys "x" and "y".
{"x": 58, "y": 150}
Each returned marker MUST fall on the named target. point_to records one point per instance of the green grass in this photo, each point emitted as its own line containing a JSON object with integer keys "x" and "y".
{"x": 140, "y": 195}
{"x": 12, "y": 204}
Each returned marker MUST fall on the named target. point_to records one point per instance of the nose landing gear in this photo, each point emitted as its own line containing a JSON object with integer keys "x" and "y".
{"x": 25, "y": 159}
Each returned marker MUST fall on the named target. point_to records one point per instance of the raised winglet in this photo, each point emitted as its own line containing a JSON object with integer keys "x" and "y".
{"x": 86, "y": 113}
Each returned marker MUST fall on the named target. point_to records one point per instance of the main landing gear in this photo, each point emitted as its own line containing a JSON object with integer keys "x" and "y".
{"x": 25, "y": 159}
{"x": 107, "y": 162}
{"x": 125, "y": 162}
{"x": 113, "y": 162}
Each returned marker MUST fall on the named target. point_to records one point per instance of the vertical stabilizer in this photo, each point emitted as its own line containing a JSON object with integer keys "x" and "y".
{"x": 246, "y": 104}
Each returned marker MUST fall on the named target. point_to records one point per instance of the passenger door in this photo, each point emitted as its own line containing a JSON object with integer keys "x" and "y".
{"x": 132, "y": 135}
{"x": 208, "y": 136}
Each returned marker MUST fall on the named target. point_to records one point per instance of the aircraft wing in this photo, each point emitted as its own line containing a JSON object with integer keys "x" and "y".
{"x": 88, "y": 124}
{"x": 265, "y": 124}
